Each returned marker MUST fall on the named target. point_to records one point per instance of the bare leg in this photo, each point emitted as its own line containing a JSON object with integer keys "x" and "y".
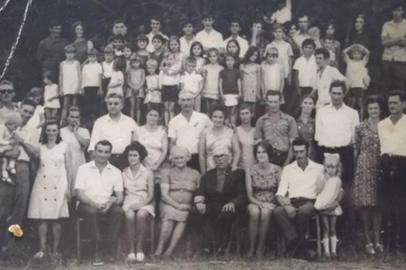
{"x": 253, "y": 211}
{"x": 326, "y": 232}
{"x": 376, "y": 225}
{"x": 365, "y": 224}
{"x": 176, "y": 236}
{"x": 166, "y": 231}
{"x": 138, "y": 109}
{"x": 166, "y": 113}
{"x": 129, "y": 224}
{"x": 263, "y": 230}
{"x": 56, "y": 233}
{"x": 42, "y": 233}
{"x": 333, "y": 235}
{"x": 66, "y": 105}
{"x": 142, "y": 218}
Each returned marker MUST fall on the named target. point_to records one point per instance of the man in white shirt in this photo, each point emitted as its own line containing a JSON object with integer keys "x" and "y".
{"x": 119, "y": 129}
{"x": 297, "y": 193}
{"x": 187, "y": 39}
{"x": 393, "y": 39}
{"x": 303, "y": 33}
{"x": 392, "y": 137}
{"x": 209, "y": 37}
{"x": 185, "y": 128}
{"x": 155, "y": 25}
{"x": 235, "y": 29}
{"x": 99, "y": 187}
{"x": 305, "y": 69}
{"x": 335, "y": 130}
{"x": 13, "y": 199}
{"x": 326, "y": 74}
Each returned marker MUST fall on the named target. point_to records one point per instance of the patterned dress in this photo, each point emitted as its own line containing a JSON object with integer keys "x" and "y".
{"x": 249, "y": 79}
{"x": 265, "y": 184}
{"x": 366, "y": 173}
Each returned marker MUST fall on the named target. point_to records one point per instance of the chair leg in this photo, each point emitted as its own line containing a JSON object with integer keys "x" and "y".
{"x": 318, "y": 236}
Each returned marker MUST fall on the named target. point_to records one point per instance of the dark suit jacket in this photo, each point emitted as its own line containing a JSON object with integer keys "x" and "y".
{"x": 233, "y": 189}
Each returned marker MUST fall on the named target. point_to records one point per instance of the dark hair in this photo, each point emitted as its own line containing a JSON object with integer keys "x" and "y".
{"x": 397, "y": 93}
{"x": 322, "y": 51}
{"x": 307, "y": 42}
{"x": 237, "y": 44}
{"x": 159, "y": 37}
{"x": 120, "y": 64}
{"x": 50, "y": 76}
{"x": 251, "y": 50}
{"x": 105, "y": 143}
{"x": 372, "y": 99}
{"x": 273, "y": 93}
{"x": 219, "y": 107}
{"x": 299, "y": 141}
{"x": 28, "y": 102}
{"x": 398, "y": 4}
{"x": 54, "y": 23}
{"x": 44, "y": 138}
{"x": 244, "y": 106}
{"x": 152, "y": 107}
{"x": 266, "y": 146}
{"x": 196, "y": 43}
{"x": 235, "y": 57}
{"x": 74, "y": 109}
{"x": 75, "y": 24}
{"x": 135, "y": 146}
{"x": 340, "y": 84}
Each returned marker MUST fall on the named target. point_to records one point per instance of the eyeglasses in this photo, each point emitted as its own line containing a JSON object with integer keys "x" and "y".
{"x": 8, "y": 91}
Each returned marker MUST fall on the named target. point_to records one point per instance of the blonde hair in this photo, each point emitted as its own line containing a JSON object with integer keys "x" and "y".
{"x": 334, "y": 158}
{"x": 179, "y": 150}
{"x": 13, "y": 117}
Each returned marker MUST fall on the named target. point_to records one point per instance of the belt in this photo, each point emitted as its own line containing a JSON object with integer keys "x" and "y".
{"x": 337, "y": 147}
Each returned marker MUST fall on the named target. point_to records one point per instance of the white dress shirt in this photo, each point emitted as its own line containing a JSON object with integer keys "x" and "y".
{"x": 118, "y": 133}
{"x": 185, "y": 45}
{"x": 323, "y": 82}
{"x": 296, "y": 182}
{"x": 31, "y": 136}
{"x": 336, "y": 127}
{"x": 307, "y": 71}
{"x": 98, "y": 186}
{"x": 392, "y": 137}
{"x": 187, "y": 133}
{"x": 212, "y": 39}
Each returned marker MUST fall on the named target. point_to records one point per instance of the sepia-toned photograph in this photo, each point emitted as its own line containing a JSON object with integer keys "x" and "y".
{"x": 202, "y": 134}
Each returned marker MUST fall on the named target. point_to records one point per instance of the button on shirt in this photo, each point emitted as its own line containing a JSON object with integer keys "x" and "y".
{"x": 212, "y": 39}
{"x": 277, "y": 133}
{"x": 296, "y": 182}
{"x": 324, "y": 79}
{"x": 187, "y": 133}
{"x": 392, "y": 137}
{"x": 118, "y": 133}
{"x": 394, "y": 30}
{"x": 336, "y": 127}
{"x": 98, "y": 186}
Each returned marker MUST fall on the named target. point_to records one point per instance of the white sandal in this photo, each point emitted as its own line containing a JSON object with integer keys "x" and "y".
{"x": 39, "y": 255}
{"x": 131, "y": 257}
{"x": 140, "y": 257}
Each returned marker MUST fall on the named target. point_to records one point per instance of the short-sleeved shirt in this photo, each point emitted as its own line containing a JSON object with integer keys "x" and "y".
{"x": 284, "y": 53}
{"x": 278, "y": 133}
{"x": 91, "y": 75}
{"x": 212, "y": 39}
{"x": 187, "y": 133}
{"x": 230, "y": 79}
{"x": 98, "y": 186}
{"x": 323, "y": 82}
{"x": 307, "y": 71}
{"x": 191, "y": 82}
{"x": 394, "y": 30}
{"x": 392, "y": 137}
{"x": 118, "y": 133}
{"x": 186, "y": 180}
{"x": 31, "y": 136}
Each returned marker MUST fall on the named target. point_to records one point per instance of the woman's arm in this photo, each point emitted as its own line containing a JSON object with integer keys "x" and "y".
{"x": 162, "y": 157}
{"x": 79, "y": 73}
{"x": 239, "y": 88}
{"x": 202, "y": 152}
{"x": 60, "y": 79}
{"x": 150, "y": 198}
{"x": 221, "y": 88}
{"x": 167, "y": 198}
{"x": 236, "y": 152}
{"x": 69, "y": 172}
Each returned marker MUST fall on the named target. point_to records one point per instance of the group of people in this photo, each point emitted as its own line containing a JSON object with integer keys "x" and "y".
{"x": 207, "y": 167}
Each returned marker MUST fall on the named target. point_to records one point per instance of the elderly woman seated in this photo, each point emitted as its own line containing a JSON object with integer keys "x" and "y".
{"x": 177, "y": 187}
{"x": 220, "y": 197}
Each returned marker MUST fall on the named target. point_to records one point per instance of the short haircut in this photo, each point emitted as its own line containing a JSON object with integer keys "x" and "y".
{"x": 207, "y": 15}
{"x": 340, "y": 84}
{"x": 159, "y": 37}
{"x": 278, "y": 26}
{"x": 212, "y": 50}
{"x": 153, "y": 107}
{"x": 309, "y": 42}
{"x": 135, "y": 146}
{"x": 104, "y": 143}
{"x": 75, "y": 24}
{"x": 271, "y": 50}
{"x": 152, "y": 63}
{"x": 266, "y": 146}
{"x": 28, "y": 102}
{"x": 397, "y": 93}
{"x": 219, "y": 107}
{"x": 50, "y": 75}
{"x": 73, "y": 109}
{"x": 372, "y": 99}
{"x": 13, "y": 117}
{"x": 190, "y": 60}
{"x": 142, "y": 37}
{"x": 117, "y": 21}
{"x": 299, "y": 141}
{"x": 322, "y": 51}
{"x": 115, "y": 95}
{"x": 54, "y": 23}
{"x": 6, "y": 82}
{"x": 273, "y": 93}
{"x": 70, "y": 48}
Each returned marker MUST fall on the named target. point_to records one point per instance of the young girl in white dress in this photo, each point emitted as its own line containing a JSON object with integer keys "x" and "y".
{"x": 327, "y": 202}
{"x": 69, "y": 80}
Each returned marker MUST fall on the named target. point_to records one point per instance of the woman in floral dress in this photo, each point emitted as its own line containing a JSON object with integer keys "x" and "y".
{"x": 366, "y": 175}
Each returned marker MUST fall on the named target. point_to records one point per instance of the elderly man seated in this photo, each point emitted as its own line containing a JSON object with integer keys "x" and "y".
{"x": 219, "y": 199}
{"x": 99, "y": 187}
